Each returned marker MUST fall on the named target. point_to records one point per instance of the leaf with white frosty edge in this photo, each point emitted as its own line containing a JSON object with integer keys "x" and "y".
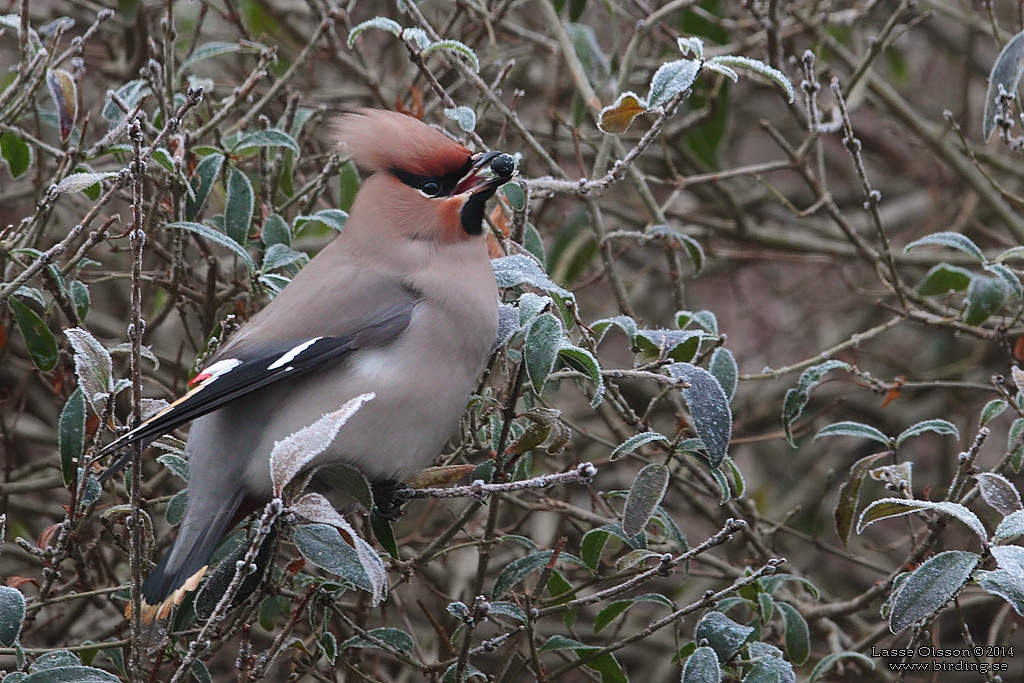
{"x": 316, "y": 508}
{"x": 92, "y": 365}
{"x": 886, "y": 508}
{"x": 291, "y": 454}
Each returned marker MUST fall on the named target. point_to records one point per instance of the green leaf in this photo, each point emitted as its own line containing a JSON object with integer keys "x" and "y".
{"x": 592, "y": 546}
{"x": 797, "y": 397}
{"x": 513, "y": 271}
{"x": 671, "y": 79}
{"x": 279, "y": 256}
{"x": 323, "y": 546}
{"x": 329, "y": 646}
{"x": 456, "y": 46}
{"x": 943, "y": 279}
{"x": 583, "y": 361}
{"x": 382, "y": 23}
{"x": 937, "y": 426}
{"x": 532, "y": 240}
{"x": 16, "y": 153}
{"x": 270, "y": 137}
{"x": 610, "y": 613}
{"x": 348, "y": 185}
{"x": 702, "y": 667}
{"x": 543, "y": 341}
{"x": 79, "y": 293}
{"x": 677, "y": 345}
{"x": 276, "y": 231}
{"x": 849, "y": 493}
{"x": 692, "y": 246}
{"x": 985, "y": 297}
{"x": 1006, "y": 72}
{"x": 71, "y": 674}
{"x": 332, "y": 218}
{"x": 385, "y": 535}
{"x": 12, "y": 614}
{"x": 1015, "y": 444}
{"x": 887, "y": 508}
{"x": 758, "y": 67}
{"x": 175, "y": 511}
{"x": 517, "y": 570}
{"x": 72, "y": 434}
{"x": 709, "y": 408}
{"x": 216, "y": 586}
{"x": 130, "y": 93}
{"x": 853, "y": 429}
{"x": 992, "y": 410}
{"x": 644, "y": 497}
{"x": 515, "y": 196}
{"x": 953, "y": 240}
{"x": 201, "y": 182}
{"x": 507, "y": 609}
{"x": 42, "y": 347}
{"x": 723, "y": 366}
{"x": 1008, "y": 277}
{"x": 217, "y": 238}
{"x": 798, "y": 636}
{"x": 239, "y": 207}
{"x": 930, "y": 587}
{"x": 636, "y": 441}
{"x": 393, "y": 639}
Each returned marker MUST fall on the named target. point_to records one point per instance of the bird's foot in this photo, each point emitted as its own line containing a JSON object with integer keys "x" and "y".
{"x": 389, "y": 496}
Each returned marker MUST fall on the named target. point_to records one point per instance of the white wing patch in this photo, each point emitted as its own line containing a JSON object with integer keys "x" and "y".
{"x": 290, "y": 355}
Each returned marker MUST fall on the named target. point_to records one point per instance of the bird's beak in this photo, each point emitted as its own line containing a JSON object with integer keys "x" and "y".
{"x": 490, "y": 170}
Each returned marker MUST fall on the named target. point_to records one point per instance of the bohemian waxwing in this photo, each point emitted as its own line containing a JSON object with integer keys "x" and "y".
{"x": 402, "y": 304}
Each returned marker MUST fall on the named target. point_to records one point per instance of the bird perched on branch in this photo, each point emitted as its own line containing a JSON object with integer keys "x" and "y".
{"x": 402, "y": 304}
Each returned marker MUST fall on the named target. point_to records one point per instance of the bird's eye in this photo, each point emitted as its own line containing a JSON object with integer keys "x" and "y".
{"x": 431, "y": 187}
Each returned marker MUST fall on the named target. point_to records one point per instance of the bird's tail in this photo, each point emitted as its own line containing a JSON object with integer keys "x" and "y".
{"x": 184, "y": 565}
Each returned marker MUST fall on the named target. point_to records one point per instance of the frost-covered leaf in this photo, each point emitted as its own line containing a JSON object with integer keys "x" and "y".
{"x": 1006, "y": 72}
{"x": 691, "y": 45}
{"x": 383, "y": 638}
{"x": 519, "y": 269}
{"x": 853, "y": 429}
{"x": 324, "y": 546}
{"x": 459, "y": 48}
{"x": 758, "y": 67}
{"x": 81, "y": 181}
{"x": 723, "y": 366}
{"x": 220, "y": 238}
{"x": 723, "y": 634}
{"x": 709, "y": 408}
{"x": 583, "y": 361}
{"x": 1008, "y": 277}
{"x": 465, "y": 117}
{"x": 692, "y": 246}
{"x": 1012, "y": 525}
{"x": 645, "y": 496}
{"x": 201, "y": 183}
{"x": 93, "y": 367}
{"x": 678, "y": 345}
{"x": 271, "y": 137}
{"x": 332, "y": 218}
{"x": 215, "y": 49}
{"x": 953, "y": 240}
{"x": 636, "y": 441}
{"x": 702, "y": 667}
{"x": 999, "y": 492}
{"x": 417, "y": 36}
{"x": 671, "y": 79}
{"x": 930, "y": 587}
{"x": 540, "y": 350}
{"x": 798, "y": 635}
{"x": 280, "y": 255}
{"x": 382, "y": 23}
{"x": 1008, "y": 580}
{"x": 825, "y": 665}
{"x": 886, "y": 508}
{"x": 42, "y": 347}
{"x": 293, "y": 453}
{"x": 937, "y": 426}
{"x": 238, "y": 208}
{"x": 797, "y": 397}
{"x": 517, "y": 570}
{"x": 616, "y": 118}
{"x": 12, "y": 614}
{"x": 985, "y": 297}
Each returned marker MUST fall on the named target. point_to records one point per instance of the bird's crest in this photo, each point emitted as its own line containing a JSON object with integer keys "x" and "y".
{"x": 380, "y": 140}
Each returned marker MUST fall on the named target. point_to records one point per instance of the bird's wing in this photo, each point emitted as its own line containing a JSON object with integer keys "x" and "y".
{"x": 245, "y": 367}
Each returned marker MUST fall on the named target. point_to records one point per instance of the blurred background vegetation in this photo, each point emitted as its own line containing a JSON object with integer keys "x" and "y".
{"x": 678, "y": 282}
